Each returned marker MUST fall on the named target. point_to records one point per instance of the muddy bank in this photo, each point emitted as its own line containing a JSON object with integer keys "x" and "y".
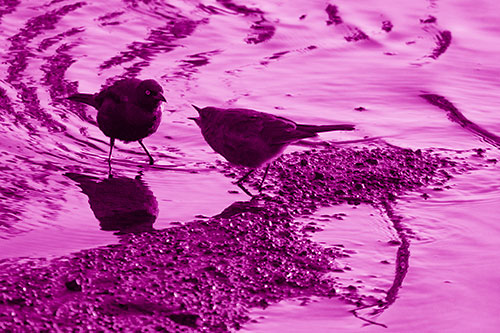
{"x": 206, "y": 274}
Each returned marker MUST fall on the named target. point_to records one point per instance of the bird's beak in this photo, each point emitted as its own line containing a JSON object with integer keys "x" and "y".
{"x": 197, "y": 120}
{"x": 196, "y": 108}
{"x": 160, "y": 97}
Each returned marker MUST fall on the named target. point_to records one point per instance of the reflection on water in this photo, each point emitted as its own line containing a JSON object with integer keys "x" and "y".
{"x": 119, "y": 203}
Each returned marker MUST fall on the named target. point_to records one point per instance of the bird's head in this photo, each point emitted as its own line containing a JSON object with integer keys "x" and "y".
{"x": 205, "y": 115}
{"x": 150, "y": 94}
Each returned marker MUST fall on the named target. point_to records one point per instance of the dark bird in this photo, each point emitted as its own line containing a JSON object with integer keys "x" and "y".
{"x": 129, "y": 110}
{"x": 251, "y": 138}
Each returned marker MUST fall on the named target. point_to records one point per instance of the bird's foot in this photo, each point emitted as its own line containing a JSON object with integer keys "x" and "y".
{"x": 243, "y": 188}
{"x": 110, "y": 169}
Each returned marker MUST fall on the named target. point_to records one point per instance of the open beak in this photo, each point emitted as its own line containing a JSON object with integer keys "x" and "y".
{"x": 197, "y": 120}
{"x": 196, "y": 108}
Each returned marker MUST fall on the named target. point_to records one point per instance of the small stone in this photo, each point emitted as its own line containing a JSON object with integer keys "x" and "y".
{"x": 73, "y": 285}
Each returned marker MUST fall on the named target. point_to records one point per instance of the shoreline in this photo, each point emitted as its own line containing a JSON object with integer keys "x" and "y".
{"x": 206, "y": 274}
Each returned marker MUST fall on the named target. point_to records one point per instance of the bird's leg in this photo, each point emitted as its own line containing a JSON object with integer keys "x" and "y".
{"x": 243, "y": 188}
{"x": 151, "y": 161}
{"x": 245, "y": 176}
{"x": 263, "y": 178}
{"x": 111, "y": 144}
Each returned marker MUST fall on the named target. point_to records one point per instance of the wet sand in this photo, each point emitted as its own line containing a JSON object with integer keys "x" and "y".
{"x": 205, "y": 275}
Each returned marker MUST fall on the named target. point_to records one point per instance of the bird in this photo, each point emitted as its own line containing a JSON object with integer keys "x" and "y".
{"x": 251, "y": 138}
{"x": 128, "y": 110}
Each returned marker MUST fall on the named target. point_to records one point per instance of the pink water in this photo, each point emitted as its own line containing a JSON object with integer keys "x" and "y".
{"x": 289, "y": 59}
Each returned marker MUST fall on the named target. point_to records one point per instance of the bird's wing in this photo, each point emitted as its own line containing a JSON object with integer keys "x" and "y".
{"x": 236, "y": 136}
{"x": 109, "y": 95}
{"x": 254, "y": 125}
{"x": 280, "y": 130}
{"x": 123, "y": 91}
{"x": 240, "y": 125}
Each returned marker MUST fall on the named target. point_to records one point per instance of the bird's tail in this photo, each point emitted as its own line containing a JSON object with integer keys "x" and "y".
{"x": 83, "y": 98}
{"x": 325, "y": 128}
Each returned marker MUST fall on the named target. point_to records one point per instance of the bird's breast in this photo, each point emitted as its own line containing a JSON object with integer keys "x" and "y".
{"x": 128, "y": 122}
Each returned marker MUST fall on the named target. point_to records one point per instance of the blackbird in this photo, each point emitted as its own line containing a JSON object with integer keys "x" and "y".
{"x": 129, "y": 110}
{"x": 251, "y": 138}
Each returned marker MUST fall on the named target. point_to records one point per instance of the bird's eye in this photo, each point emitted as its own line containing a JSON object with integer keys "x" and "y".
{"x": 148, "y": 92}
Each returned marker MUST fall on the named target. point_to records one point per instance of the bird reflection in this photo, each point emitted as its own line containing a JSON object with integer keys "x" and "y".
{"x": 120, "y": 204}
